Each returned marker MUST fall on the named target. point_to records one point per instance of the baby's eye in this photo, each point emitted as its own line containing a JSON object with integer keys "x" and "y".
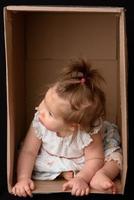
{"x": 50, "y": 114}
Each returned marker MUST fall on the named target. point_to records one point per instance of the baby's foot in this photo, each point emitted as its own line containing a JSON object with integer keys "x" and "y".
{"x": 68, "y": 175}
{"x": 102, "y": 182}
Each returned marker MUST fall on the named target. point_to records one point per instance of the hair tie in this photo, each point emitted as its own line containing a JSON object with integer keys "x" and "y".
{"x": 83, "y": 80}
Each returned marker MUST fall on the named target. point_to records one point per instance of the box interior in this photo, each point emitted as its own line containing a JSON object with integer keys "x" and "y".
{"x": 38, "y": 45}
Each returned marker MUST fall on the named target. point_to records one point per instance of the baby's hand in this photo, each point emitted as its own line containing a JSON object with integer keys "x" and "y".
{"x": 23, "y": 188}
{"x": 78, "y": 186}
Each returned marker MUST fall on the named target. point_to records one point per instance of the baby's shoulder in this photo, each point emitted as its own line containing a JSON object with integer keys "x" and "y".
{"x": 40, "y": 129}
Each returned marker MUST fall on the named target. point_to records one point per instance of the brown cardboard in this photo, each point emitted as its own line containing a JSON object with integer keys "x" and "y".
{"x": 39, "y": 40}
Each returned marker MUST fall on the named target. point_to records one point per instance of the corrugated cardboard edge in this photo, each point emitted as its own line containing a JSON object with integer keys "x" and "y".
{"x": 65, "y": 9}
{"x": 123, "y": 91}
{"x": 10, "y": 153}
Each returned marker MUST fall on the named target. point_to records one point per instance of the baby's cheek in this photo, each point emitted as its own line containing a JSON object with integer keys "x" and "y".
{"x": 49, "y": 125}
{"x": 41, "y": 118}
{"x": 43, "y": 115}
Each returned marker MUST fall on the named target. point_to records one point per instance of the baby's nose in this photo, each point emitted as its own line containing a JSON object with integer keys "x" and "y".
{"x": 37, "y": 108}
{"x": 41, "y": 116}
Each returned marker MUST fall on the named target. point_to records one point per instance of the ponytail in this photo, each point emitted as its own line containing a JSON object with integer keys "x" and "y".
{"x": 80, "y": 84}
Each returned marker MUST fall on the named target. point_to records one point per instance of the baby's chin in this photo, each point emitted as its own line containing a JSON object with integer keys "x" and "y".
{"x": 50, "y": 128}
{"x": 46, "y": 125}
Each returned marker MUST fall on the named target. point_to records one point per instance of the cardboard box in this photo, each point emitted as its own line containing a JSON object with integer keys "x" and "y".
{"x": 39, "y": 40}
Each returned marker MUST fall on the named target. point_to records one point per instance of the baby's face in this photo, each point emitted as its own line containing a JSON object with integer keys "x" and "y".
{"x": 50, "y": 112}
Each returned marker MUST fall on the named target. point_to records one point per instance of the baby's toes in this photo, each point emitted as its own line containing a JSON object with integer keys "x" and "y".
{"x": 107, "y": 185}
{"x": 114, "y": 189}
{"x": 110, "y": 185}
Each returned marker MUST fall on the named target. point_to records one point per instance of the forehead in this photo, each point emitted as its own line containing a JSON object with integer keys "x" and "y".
{"x": 56, "y": 104}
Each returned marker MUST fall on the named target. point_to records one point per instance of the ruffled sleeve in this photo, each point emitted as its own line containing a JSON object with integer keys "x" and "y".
{"x": 38, "y": 127}
{"x": 85, "y": 140}
{"x": 98, "y": 125}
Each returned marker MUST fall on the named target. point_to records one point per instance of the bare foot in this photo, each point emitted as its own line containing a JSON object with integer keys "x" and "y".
{"x": 102, "y": 182}
{"x": 68, "y": 175}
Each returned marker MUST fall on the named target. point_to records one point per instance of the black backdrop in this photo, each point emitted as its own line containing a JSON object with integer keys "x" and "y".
{"x": 130, "y": 45}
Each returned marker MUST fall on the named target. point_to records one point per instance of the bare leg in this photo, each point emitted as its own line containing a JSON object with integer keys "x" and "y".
{"x": 68, "y": 175}
{"x": 102, "y": 180}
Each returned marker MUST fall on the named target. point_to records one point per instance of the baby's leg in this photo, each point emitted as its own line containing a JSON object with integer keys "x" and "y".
{"x": 68, "y": 175}
{"x": 102, "y": 180}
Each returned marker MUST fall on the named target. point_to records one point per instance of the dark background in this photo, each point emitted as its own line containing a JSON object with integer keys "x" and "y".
{"x": 130, "y": 46}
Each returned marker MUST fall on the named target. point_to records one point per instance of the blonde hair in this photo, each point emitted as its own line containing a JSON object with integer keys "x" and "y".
{"x": 81, "y": 86}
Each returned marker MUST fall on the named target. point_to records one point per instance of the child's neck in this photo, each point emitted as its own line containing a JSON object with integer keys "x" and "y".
{"x": 66, "y": 133}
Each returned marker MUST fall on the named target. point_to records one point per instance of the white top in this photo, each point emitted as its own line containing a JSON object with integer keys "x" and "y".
{"x": 58, "y": 154}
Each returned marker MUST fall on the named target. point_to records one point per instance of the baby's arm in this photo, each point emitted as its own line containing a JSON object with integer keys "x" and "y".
{"x": 25, "y": 164}
{"x": 94, "y": 160}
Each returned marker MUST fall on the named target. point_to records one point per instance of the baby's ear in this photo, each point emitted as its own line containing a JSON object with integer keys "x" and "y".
{"x": 74, "y": 127}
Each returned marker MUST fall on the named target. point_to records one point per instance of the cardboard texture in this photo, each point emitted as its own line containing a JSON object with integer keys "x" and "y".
{"x": 39, "y": 41}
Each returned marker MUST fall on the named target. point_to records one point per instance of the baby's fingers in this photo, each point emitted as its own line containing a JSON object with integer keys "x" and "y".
{"x": 14, "y": 191}
{"x": 18, "y": 192}
{"x": 31, "y": 185}
{"x": 22, "y": 192}
{"x": 80, "y": 191}
{"x": 28, "y": 191}
{"x": 76, "y": 191}
{"x": 87, "y": 191}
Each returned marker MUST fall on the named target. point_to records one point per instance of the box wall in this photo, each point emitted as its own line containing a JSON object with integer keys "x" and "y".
{"x": 52, "y": 41}
{"x": 14, "y": 31}
{"x": 123, "y": 93}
